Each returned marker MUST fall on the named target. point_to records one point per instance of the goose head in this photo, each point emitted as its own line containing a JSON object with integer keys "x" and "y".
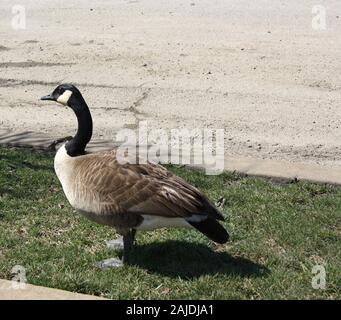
{"x": 66, "y": 94}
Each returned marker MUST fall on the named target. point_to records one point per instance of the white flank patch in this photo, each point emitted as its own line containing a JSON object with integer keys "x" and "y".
{"x": 64, "y": 98}
{"x": 151, "y": 222}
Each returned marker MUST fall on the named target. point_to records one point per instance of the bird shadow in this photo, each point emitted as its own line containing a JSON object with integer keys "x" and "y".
{"x": 191, "y": 260}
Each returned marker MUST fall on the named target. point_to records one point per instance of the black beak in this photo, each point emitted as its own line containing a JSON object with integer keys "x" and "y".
{"x": 48, "y": 97}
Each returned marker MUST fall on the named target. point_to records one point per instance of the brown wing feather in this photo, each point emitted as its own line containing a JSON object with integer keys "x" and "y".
{"x": 140, "y": 189}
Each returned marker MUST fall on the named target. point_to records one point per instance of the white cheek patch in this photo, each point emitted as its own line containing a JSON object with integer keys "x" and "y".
{"x": 64, "y": 98}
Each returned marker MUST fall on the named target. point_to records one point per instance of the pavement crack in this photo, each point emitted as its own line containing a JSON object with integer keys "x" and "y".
{"x": 138, "y": 102}
{"x": 134, "y": 107}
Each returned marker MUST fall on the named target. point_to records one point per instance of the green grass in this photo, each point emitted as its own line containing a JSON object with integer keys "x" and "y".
{"x": 278, "y": 233}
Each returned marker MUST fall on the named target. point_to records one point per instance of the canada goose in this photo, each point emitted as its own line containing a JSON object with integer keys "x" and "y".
{"x": 128, "y": 197}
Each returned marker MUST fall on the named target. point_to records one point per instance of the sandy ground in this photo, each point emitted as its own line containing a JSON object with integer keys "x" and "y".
{"x": 255, "y": 68}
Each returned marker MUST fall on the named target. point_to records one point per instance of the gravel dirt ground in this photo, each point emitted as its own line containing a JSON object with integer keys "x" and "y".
{"x": 255, "y": 68}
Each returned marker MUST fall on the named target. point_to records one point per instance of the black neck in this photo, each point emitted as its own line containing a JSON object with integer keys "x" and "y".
{"x": 76, "y": 146}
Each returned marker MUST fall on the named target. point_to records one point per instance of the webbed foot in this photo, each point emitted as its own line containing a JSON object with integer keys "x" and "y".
{"x": 110, "y": 263}
{"x": 116, "y": 244}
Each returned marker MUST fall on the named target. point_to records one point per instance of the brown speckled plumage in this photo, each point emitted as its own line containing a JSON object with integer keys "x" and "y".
{"x": 119, "y": 194}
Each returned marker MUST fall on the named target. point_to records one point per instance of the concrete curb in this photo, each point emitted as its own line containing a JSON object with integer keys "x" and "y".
{"x": 284, "y": 170}
{"x": 9, "y": 291}
{"x": 273, "y": 169}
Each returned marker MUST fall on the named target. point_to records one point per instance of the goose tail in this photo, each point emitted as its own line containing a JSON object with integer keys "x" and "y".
{"x": 211, "y": 228}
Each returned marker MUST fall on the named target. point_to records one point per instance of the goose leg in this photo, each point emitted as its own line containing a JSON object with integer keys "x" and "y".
{"x": 124, "y": 243}
{"x": 128, "y": 242}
